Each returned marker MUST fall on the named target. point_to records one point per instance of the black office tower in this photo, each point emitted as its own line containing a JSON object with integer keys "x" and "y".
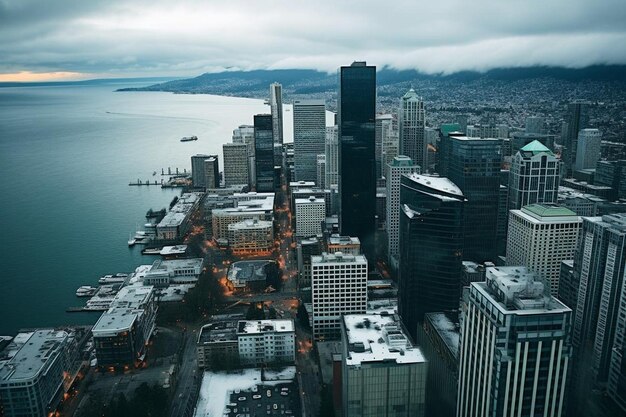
{"x": 357, "y": 161}
{"x": 577, "y": 119}
{"x": 473, "y": 164}
{"x": 431, "y": 242}
{"x": 264, "y": 152}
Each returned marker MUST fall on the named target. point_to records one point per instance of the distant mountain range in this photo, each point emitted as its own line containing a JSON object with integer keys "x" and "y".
{"x": 295, "y": 82}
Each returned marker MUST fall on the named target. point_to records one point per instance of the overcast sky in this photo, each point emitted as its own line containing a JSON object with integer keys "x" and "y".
{"x": 56, "y": 39}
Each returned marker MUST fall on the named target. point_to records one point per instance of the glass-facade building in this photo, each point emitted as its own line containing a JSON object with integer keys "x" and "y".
{"x": 431, "y": 247}
{"x": 474, "y": 166}
{"x": 577, "y": 119}
{"x": 357, "y": 161}
{"x": 309, "y": 137}
{"x": 264, "y": 152}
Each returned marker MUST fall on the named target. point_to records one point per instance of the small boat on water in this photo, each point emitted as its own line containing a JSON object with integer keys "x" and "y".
{"x": 131, "y": 241}
{"x": 86, "y": 291}
{"x": 189, "y": 138}
{"x": 113, "y": 279}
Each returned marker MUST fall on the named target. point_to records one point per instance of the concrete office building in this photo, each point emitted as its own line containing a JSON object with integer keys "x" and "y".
{"x": 176, "y": 222}
{"x": 534, "y": 177}
{"x": 38, "y": 370}
{"x": 320, "y": 178}
{"x": 245, "y": 134}
{"x": 235, "y": 164}
{"x": 266, "y": 342}
{"x": 175, "y": 271}
{"x": 540, "y": 237}
{"x": 411, "y": 125}
{"x": 331, "y": 150}
{"x": 306, "y": 248}
{"x": 382, "y": 372}
{"x": 309, "y": 136}
{"x": 612, "y": 174}
{"x": 310, "y": 213}
{"x": 201, "y": 170}
{"x": 339, "y": 286}
{"x": 386, "y": 126}
{"x": 217, "y": 344}
{"x": 515, "y": 347}
{"x": 211, "y": 172}
{"x": 399, "y": 166}
{"x": 251, "y": 237}
{"x": 121, "y": 334}
{"x": 345, "y": 244}
{"x": 431, "y": 247}
{"x": 588, "y": 149}
{"x": 577, "y": 119}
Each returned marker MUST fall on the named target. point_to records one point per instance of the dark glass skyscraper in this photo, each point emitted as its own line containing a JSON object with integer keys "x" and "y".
{"x": 264, "y": 152}
{"x": 577, "y": 119}
{"x": 357, "y": 161}
{"x": 474, "y": 166}
{"x": 431, "y": 247}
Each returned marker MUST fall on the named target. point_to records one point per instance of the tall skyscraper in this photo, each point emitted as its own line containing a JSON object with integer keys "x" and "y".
{"x": 515, "y": 347}
{"x": 474, "y": 166}
{"x": 382, "y": 373}
{"x": 357, "y": 164}
{"x": 534, "y": 176}
{"x": 199, "y": 168}
{"x": 588, "y": 149}
{"x": 347, "y": 276}
{"x": 577, "y": 118}
{"x": 264, "y": 152}
{"x": 320, "y": 178}
{"x": 412, "y": 122}
{"x": 399, "y": 166}
{"x": 386, "y": 125}
{"x": 245, "y": 134}
{"x": 276, "y": 106}
{"x": 331, "y": 150}
{"x": 431, "y": 247}
{"x": 235, "y": 164}
{"x": 211, "y": 172}
{"x": 540, "y": 237}
{"x": 309, "y": 135}
{"x": 600, "y": 270}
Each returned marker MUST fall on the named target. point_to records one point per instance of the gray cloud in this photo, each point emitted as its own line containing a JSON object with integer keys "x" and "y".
{"x": 165, "y": 38}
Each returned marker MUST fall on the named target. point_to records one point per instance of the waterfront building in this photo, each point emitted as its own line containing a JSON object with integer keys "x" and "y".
{"x": 251, "y": 237}
{"x": 394, "y": 171}
{"x": 320, "y": 178}
{"x": 176, "y": 222}
{"x": 247, "y": 206}
{"x": 540, "y": 237}
{"x": 515, "y": 347}
{"x": 438, "y": 338}
{"x": 121, "y": 334}
{"x": 36, "y": 370}
{"x": 588, "y": 149}
{"x": 431, "y": 247}
{"x": 211, "y": 172}
{"x": 175, "y": 271}
{"x": 339, "y": 286}
{"x": 386, "y": 126}
{"x": 382, "y": 372}
{"x": 235, "y": 164}
{"x": 357, "y": 164}
{"x": 264, "y": 152}
{"x": 534, "y": 177}
{"x": 345, "y": 244}
{"x": 310, "y": 213}
{"x": 600, "y": 271}
{"x": 411, "y": 125}
{"x": 201, "y": 170}
{"x": 276, "y": 106}
{"x": 473, "y": 164}
{"x": 217, "y": 343}
{"x": 266, "y": 342}
{"x": 331, "y": 151}
{"x": 577, "y": 119}
{"x": 309, "y": 136}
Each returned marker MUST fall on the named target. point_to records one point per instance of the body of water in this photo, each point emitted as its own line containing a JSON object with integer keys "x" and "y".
{"x": 66, "y": 157}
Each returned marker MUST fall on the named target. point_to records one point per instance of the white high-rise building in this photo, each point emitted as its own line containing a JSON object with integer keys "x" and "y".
{"x": 310, "y": 213}
{"x": 321, "y": 171}
{"x": 515, "y": 347}
{"x": 411, "y": 125}
{"x": 588, "y": 149}
{"x": 339, "y": 286}
{"x": 534, "y": 177}
{"x": 540, "y": 237}
{"x": 276, "y": 105}
{"x": 331, "y": 149}
{"x": 383, "y": 374}
{"x": 235, "y": 164}
{"x": 386, "y": 125}
{"x": 309, "y": 135}
{"x": 399, "y": 166}
{"x": 263, "y": 342}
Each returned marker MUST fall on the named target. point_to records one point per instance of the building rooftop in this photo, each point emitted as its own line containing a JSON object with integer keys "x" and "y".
{"x": 181, "y": 209}
{"x": 264, "y": 326}
{"x": 536, "y": 147}
{"x": 548, "y": 212}
{"x": 343, "y": 240}
{"x": 248, "y": 271}
{"x": 126, "y": 307}
{"x": 218, "y": 331}
{"x": 447, "y": 326}
{"x": 33, "y": 355}
{"x": 402, "y": 161}
{"x": 169, "y": 266}
{"x": 337, "y": 257}
{"x": 250, "y": 224}
{"x": 377, "y": 338}
{"x": 435, "y": 183}
{"x": 309, "y": 200}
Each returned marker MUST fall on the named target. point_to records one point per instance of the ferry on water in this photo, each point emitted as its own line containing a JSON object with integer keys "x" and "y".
{"x": 189, "y": 138}
{"x": 86, "y": 291}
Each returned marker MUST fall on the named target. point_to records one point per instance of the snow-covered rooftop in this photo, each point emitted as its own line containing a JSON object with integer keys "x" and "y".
{"x": 436, "y": 183}
{"x": 377, "y": 338}
{"x": 264, "y": 326}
